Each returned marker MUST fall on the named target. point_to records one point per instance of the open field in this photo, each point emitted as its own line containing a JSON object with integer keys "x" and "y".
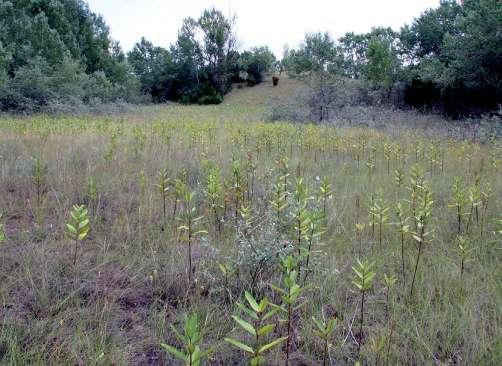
{"x": 326, "y": 196}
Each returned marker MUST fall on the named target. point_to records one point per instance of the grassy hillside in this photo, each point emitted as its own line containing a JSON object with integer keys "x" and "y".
{"x": 324, "y": 196}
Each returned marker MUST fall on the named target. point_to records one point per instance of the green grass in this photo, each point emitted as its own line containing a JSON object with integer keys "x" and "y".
{"x": 130, "y": 281}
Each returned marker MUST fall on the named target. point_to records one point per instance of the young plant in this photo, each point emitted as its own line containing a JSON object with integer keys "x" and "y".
{"x": 279, "y": 202}
{"x": 214, "y": 193}
{"x": 370, "y": 164}
{"x": 379, "y": 212}
{"x": 77, "y": 227}
{"x": 192, "y": 355}
{"x": 190, "y": 220}
{"x": 325, "y": 194}
{"x": 163, "y": 187}
{"x": 389, "y": 283}
{"x": 459, "y": 201}
{"x": 290, "y": 292}
{"x": 399, "y": 178}
{"x": 422, "y": 219}
{"x": 258, "y": 313}
{"x": 416, "y": 182}
{"x": 315, "y": 231}
{"x": 464, "y": 252}
{"x": 178, "y": 192}
{"x": 2, "y": 230}
{"x": 359, "y": 232}
{"x": 301, "y": 218}
{"x": 324, "y": 330}
{"x": 238, "y": 185}
{"x": 92, "y": 190}
{"x": 485, "y": 199}
{"x": 363, "y": 280}
{"x": 387, "y": 154}
{"x": 226, "y": 270}
{"x": 474, "y": 199}
{"x": 403, "y": 230}
{"x": 38, "y": 178}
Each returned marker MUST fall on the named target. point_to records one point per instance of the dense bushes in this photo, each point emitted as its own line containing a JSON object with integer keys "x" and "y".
{"x": 449, "y": 59}
{"x": 57, "y": 52}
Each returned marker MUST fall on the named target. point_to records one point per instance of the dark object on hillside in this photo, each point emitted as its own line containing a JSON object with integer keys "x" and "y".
{"x": 275, "y": 80}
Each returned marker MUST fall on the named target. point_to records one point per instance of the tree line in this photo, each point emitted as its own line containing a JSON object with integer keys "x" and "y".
{"x": 448, "y": 59}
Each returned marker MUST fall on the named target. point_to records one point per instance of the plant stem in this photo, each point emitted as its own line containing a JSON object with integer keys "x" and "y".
{"x": 418, "y": 258}
{"x": 402, "y": 258}
{"x": 75, "y": 253}
{"x": 361, "y": 325}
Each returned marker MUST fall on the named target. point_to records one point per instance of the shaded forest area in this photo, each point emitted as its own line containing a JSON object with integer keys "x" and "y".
{"x": 58, "y": 52}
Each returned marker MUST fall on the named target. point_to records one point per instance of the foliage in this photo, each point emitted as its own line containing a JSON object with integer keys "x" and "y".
{"x": 191, "y": 339}
{"x": 258, "y": 312}
{"x": 58, "y": 50}
{"x": 78, "y": 226}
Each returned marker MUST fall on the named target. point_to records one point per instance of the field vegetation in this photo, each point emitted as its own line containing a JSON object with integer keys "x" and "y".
{"x": 202, "y": 235}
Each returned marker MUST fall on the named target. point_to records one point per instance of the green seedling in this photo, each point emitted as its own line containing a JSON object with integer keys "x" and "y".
{"x": 363, "y": 280}
{"x": 324, "y": 330}
{"x": 192, "y": 354}
{"x": 77, "y": 227}
{"x": 259, "y": 313}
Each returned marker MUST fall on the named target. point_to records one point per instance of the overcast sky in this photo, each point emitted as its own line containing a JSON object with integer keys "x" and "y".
{"x": 259, "y": 22}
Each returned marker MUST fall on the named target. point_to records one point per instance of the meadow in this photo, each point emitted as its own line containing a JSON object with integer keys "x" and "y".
{"x": 157, "y": 235}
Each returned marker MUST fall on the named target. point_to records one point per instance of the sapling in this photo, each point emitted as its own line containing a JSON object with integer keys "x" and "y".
{"x": 416, "y": 182}
{"x": 464, "y": 252}
{"x": 77, "y": 227}
{"x": 325, "y": 194}
{"x": 289, "y": 292}
{"x": 279, "y": 202}
{"x": 38, "y": 177}
{"x": 92, "y": 190}
{"x": 247, "y": 218}
{"x": 301, "y": 217}
{"x": 370, "y": 164}
{"x": 363, "y": 280}
{"x": 190, "y": 221}
{"x": 389, "y": 283}
{"x": 237, "y": 185}
{"x": 474, "y": 198}
{"x": 178, "y": 191}
{"x": 214, "y": 193}
{"x": 485, "y": 199}
{"x": 258, "y": 312}
{"x": 422, "y": 219}
{"x": 2, "y": 230}
{"x": 226, "y": 270}
{"x": 324, "y": 330}
{"x": 387, "y": 154}
{"x": 399, "y": 178}
{"x": 379, "y": 212}
{"x": 403, "y": 230}
{"x": 192, "y": 354}
{"x": 459, "y": 201}
{"x": 163, "y": 187}
{"x": 314, "y": 233}
{"x": 359, "y": 231}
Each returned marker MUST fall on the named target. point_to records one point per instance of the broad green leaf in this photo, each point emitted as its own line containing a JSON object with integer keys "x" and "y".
{"x": 245, "y": 325}
{"x": 271, "y": 344}
{"x": 175, "y": 352}
{"x": 252, "y": 302}
{"x": 266, "y": 329}
{"x": 240, "y": 345}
